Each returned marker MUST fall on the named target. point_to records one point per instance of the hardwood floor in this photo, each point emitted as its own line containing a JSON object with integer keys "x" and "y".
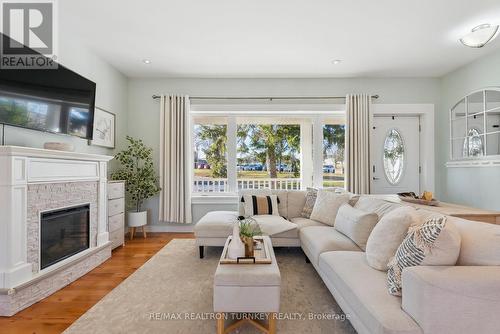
{"x": 55, "y": 313}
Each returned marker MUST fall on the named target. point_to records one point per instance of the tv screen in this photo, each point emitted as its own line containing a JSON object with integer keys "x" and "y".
{"x": 52, "y": 100}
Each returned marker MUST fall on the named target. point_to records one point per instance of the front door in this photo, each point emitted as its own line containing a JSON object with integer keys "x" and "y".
{"x": 395, "y": 156}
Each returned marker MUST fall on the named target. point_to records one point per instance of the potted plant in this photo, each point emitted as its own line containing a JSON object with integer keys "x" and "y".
{"x": 249, "y": 228}
{"x": 141, "y": 181}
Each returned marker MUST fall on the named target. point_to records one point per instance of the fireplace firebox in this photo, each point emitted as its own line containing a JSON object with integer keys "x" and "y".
{"x": 63, "y": 233}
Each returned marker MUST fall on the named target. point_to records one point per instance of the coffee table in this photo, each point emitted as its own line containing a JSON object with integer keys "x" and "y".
{"x": 247, "y": 288}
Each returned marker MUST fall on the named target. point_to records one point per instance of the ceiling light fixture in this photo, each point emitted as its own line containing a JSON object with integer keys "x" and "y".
{"x": 336, "y": 61}
{"x": 480, "y": 36}
{"x": 146, "y": 61}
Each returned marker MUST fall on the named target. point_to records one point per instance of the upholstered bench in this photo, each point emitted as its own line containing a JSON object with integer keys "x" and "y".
{"x": 248, "y": 288}
{"x": 214, "y": 228}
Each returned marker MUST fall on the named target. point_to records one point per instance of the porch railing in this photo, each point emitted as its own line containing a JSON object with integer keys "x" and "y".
{"x": 211, "y": 185}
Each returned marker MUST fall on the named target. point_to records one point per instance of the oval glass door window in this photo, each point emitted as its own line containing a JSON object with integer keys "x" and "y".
{"x": 394, "y": 156}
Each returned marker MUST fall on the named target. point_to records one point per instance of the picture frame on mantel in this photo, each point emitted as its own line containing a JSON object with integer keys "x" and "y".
{"x": 104, "y": 128}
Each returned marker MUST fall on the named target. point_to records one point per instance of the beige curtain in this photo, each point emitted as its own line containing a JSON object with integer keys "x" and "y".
{"x": 175, "y": 201}
{"x": 358, "y": 143}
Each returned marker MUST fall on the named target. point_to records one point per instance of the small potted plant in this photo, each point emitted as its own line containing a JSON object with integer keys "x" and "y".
{"x": 249, "y": 228}
{"x": 141, "y": 181}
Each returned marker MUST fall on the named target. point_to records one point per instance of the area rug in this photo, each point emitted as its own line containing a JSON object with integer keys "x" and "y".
{"x": 172, "y": 293}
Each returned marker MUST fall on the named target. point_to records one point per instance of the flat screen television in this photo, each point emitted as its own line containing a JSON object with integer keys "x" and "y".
{"x": 51, "y": 100}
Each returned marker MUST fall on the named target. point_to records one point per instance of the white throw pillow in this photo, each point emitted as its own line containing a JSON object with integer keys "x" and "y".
{"x": 260, "y": 205}
{"x": 433, "y": 243}
{"x": 327, "y": 205}
{"x": 387, "y": 235}
{"x": 355, "y": 224}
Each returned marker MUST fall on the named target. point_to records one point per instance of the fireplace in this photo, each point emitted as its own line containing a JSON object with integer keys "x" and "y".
{"x": 64, "y": 233}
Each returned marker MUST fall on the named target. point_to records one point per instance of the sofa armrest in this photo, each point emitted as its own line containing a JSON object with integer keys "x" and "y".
{"x": 453, "y": 299}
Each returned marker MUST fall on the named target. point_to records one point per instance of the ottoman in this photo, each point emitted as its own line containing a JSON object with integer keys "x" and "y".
{"x": 248, "y": 288}
{"x": 214, "y": 228}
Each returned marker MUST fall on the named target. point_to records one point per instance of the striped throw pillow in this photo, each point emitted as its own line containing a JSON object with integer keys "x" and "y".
{"x": 417, "y": 244}
{"x": 260, "y": 205}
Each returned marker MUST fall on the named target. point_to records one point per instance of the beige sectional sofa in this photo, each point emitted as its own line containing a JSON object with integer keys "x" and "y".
{"x": 435, "y": 299}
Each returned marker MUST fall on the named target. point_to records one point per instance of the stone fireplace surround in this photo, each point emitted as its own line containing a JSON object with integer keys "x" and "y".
{"x": 37, "y": 180}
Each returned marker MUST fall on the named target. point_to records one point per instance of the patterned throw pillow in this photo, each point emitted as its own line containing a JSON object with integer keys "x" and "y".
{"x": 417, "y": 244}
{"x": 311, "y": 195}
{"x": 260, "y": 205}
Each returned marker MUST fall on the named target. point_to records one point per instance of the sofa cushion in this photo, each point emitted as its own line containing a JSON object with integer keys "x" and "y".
{"x": 369, "y": 203}
{"x": 387, "y": 235}
{"x": 273, "y": 226}
{"x": 435, "y": 242}
{"x": 364, "y": 289}
{"x": 260, "y": 205}
{"x": 299, "y": 223}
{"x": 296, "y": 201}
{"x": 327, "y": 205}
{"x": 305, "y": 222}
{"x": 216, "y": 224}
{"x": 480, "y": 243}
{"x": 355, "y": 224}
{"x": 319, "y": 239}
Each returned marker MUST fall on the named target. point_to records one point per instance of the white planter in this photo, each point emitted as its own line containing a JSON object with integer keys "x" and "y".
{"x": 136, "y": 219}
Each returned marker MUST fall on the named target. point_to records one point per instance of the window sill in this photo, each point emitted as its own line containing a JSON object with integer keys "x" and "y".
{"x": 219, "y": 198}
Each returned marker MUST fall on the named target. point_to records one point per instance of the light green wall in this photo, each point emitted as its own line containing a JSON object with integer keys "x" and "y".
{"x": 144, "y": 112}
{"x": 477, "y": 187}
{"x": 111, "y": 95}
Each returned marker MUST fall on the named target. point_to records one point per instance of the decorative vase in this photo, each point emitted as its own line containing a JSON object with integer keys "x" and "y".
{"x": 136, "y": 219}
{"x": 249, "y": 251}
{"x": 236, "y": 248}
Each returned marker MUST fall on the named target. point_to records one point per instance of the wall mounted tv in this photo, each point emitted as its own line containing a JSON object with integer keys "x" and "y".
{"x": 51, "y": 100}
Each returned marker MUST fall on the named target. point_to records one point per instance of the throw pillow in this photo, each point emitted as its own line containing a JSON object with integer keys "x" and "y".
{"x": 260, "y": 205}
{"x": 327, "y": 205}
{"x": 355, "y": 224}
{"x": 434, "y": 242}
{"x": 387, "y": 236}
{"x": 257, "y": 192}
{"x": 311, "y": 195}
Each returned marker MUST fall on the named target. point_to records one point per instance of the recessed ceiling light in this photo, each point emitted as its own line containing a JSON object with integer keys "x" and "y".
{"x": 146, "y": 61}
{"x": 336, "y": 61}
{"x": 480, "y": 36}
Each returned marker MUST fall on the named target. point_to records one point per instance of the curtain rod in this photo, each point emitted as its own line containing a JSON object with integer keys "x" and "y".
{"x": 267, "y": 97}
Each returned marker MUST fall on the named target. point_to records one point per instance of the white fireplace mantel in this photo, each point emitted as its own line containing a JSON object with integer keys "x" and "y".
{"x": 21, "y": 166}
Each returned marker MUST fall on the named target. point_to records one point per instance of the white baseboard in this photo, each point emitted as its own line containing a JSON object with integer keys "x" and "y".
{"x": 170, "y": 228}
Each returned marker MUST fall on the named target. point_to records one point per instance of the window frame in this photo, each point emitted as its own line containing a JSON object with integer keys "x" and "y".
{"x": 311, "y": 146}
{"x": 464, "y": 140}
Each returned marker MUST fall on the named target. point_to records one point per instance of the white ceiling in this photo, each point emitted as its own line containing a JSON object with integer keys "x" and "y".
{"x": 280, "y": 38}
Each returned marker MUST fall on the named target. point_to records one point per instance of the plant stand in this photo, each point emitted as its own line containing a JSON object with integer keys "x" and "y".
{"x": 132, "y": 232}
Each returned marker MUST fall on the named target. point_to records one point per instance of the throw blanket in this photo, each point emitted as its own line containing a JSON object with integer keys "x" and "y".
{"x": 271, "y": 225}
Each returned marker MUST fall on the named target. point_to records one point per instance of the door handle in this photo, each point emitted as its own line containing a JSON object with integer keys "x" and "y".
{"x": 375, "y": 178}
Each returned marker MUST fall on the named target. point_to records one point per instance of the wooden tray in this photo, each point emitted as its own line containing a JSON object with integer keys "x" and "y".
{"x": 433, "y": 202}
{"x": 262, "y": 254}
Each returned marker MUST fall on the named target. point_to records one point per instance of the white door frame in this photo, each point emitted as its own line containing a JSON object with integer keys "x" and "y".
{"x": 426, "y": 114}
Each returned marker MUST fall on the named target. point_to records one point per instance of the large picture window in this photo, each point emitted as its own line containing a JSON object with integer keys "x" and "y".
{"x": 268, "y": 156}
{"x": 333, "y": 155}
{"x": 210, "y": 156}
{"x": 231, "y": 153}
